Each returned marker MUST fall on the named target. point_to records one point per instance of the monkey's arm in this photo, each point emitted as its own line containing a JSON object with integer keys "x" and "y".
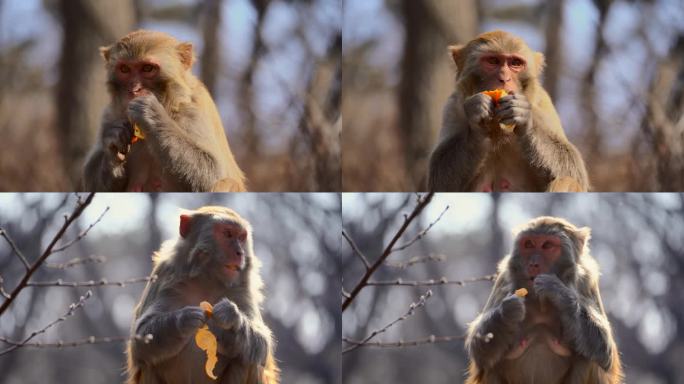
{"x": 501, "y": 318}
{"x": 105, "y": 169}
{"x": 194, "y": 165}
{"x": 460, "y": 155}
{"x": 240, "y": 336}
{"x": 547, "y": 147}
{"x": 585, "y": 326}
{"x": 170, "y": 332}
{"x": 103, "y": 174}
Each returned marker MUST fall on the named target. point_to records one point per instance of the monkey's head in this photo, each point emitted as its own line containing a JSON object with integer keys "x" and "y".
{"x": 218, "y": 243}
{"x": 547, "y": 245}
{"x": 145, "y": 62}
{"x": 495, "y": 60}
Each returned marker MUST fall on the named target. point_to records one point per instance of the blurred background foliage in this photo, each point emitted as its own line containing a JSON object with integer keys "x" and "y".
{"x": 636, "y": 239}
{"x": 296, "y": 236}
{"x": 273, "y": 68}
{"x": 615, "y": 71}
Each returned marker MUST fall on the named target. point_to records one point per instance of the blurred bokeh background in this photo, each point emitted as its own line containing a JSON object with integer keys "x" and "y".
{"x": 272, "y": 66}
{"x": 296, "y": 236}
{"x": 636, "y": 239}
{"x": 615, "y": 70}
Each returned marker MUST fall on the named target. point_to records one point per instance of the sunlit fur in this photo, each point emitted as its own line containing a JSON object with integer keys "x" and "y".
{"x": 181, "y": 275}
{"x": 579, "y": 271}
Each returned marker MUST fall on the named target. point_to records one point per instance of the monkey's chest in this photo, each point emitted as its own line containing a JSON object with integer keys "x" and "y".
{"x": 538, "y": 364}
{"x": 189, "y": 367}
{"x": 144, "y": 171}
{"x": 506, "y": 169}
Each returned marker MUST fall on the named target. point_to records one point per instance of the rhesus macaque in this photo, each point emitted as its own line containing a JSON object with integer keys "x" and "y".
{"x": 184, "y": 147}
{"x": 514, "y": 144}
{"x": 558, "y": 332}
{"x": 212, "y": 260}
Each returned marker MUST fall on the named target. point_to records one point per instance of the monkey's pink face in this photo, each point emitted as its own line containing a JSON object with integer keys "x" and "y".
{"x": 231, "y": 240}
{"x": 137, "y": 76}
{"x": 539, "y": 253}
{"x": 501, "y": 71}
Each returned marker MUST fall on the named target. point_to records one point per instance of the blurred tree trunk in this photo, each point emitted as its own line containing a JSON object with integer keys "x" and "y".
{"x": 664, "y": 119}
{"x": 81, "y": 92}
{"x": 246, "y": 91}
{"x": 425, "y": 73}
{"x": 554, "y": 44}
{"x": 211, "y": 51}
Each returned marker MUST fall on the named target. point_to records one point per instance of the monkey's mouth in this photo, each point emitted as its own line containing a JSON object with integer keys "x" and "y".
{"x": 233, "y": 267}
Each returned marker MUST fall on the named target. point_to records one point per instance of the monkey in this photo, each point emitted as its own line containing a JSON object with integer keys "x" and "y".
{"x": 514, "y": 144}
{"x": 555, "y": 332}
{"x": 211, "y": 260}
{"x": 181, "y": 145}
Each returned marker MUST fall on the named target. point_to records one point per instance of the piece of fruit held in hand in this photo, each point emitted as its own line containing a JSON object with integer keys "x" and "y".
{"x": 497, "y": 94}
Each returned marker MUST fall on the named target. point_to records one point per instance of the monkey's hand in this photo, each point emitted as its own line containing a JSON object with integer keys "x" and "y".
{"x": 145, "y": 110}
{"x": 478, "y": 111}
{"x": 116, "y": 139}
{"x": 227, "y": 315}
{"x": 189, "y": 319}
{"x": 513, "y": 109}
{"x": 551, "y": 288}
{"x": 513, "y": 309}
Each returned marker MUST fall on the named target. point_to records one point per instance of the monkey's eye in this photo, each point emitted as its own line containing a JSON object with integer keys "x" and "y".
{"x": 547, "y": 245}
{"x": 228, "y": 234}
{"x": 148, "y": 68}
{"x": 517, "y": 63}
{"x": 528, "y": 244}
{"x": 243, "y": 237}
{"x": 124, "y": 69}
{"x": 493, "y": 60}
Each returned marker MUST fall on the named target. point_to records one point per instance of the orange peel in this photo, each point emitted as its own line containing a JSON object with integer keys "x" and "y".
{"x": 497, "y": 94}
{"x": 137, "y": 134}
{"x": 207, "y": 342}
{"x": 522, "y": 292}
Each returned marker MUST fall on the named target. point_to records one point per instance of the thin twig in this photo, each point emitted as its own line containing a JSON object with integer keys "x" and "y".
{"x": 75, "y": 343}
{"x": 82, "y": 234}
{"x": 356, "y": 250}
{"x": 14, "y": 247}
{"x": 2, "y": 288}
{"x": 432, "y": 339}
{"x": 80, "y": 207}
{"x": 415, "y": 260}
{"x": 72, "y": 308}
{"x": 91, "y": 283}
{"x": 431, "y": 282}
{"x": 422, "y": 233}
{"x": 412, "y": 309}
{"x": 77, "y": 261}
{"x": 423, "y": 201}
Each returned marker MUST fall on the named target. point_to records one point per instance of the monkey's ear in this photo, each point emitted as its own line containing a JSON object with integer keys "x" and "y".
{"x": 456, "y": 52}
{"x": 185, "y": 225}
{"x": 583, "y": 235}
{"x": 105, "y": 52}
{"x": 539, "y": 63}
{"x": 186, "y": 54}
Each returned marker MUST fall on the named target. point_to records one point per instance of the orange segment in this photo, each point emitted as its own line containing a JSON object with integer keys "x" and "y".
{"x": 206, "y": 341}
{"x": 207, "y": 307}
{"x": 522, "y": 292}
{"x": 496, "y": 94}
{"x": 137, "y": 134}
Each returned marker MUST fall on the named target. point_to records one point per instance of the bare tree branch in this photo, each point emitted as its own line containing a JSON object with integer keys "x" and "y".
{"x": 422, "y": 202}
{"x": 72, "y": 308}
{"x": 412, "y": 309}
{"x": 432, "y": 339}
{"x": 415, "y": 260}
{"x": 422, "y": 233}
{"x": 82, "y": 234}
{"x": 356, "y": 250}
{"x": 91, "y": 283}
{"x": 77, "y": 261}
{"x": 431, "y": 282}
{"x": 81, "y": 205}
{"x": 15, "y": 249}
{"x": 75, "y": 343}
